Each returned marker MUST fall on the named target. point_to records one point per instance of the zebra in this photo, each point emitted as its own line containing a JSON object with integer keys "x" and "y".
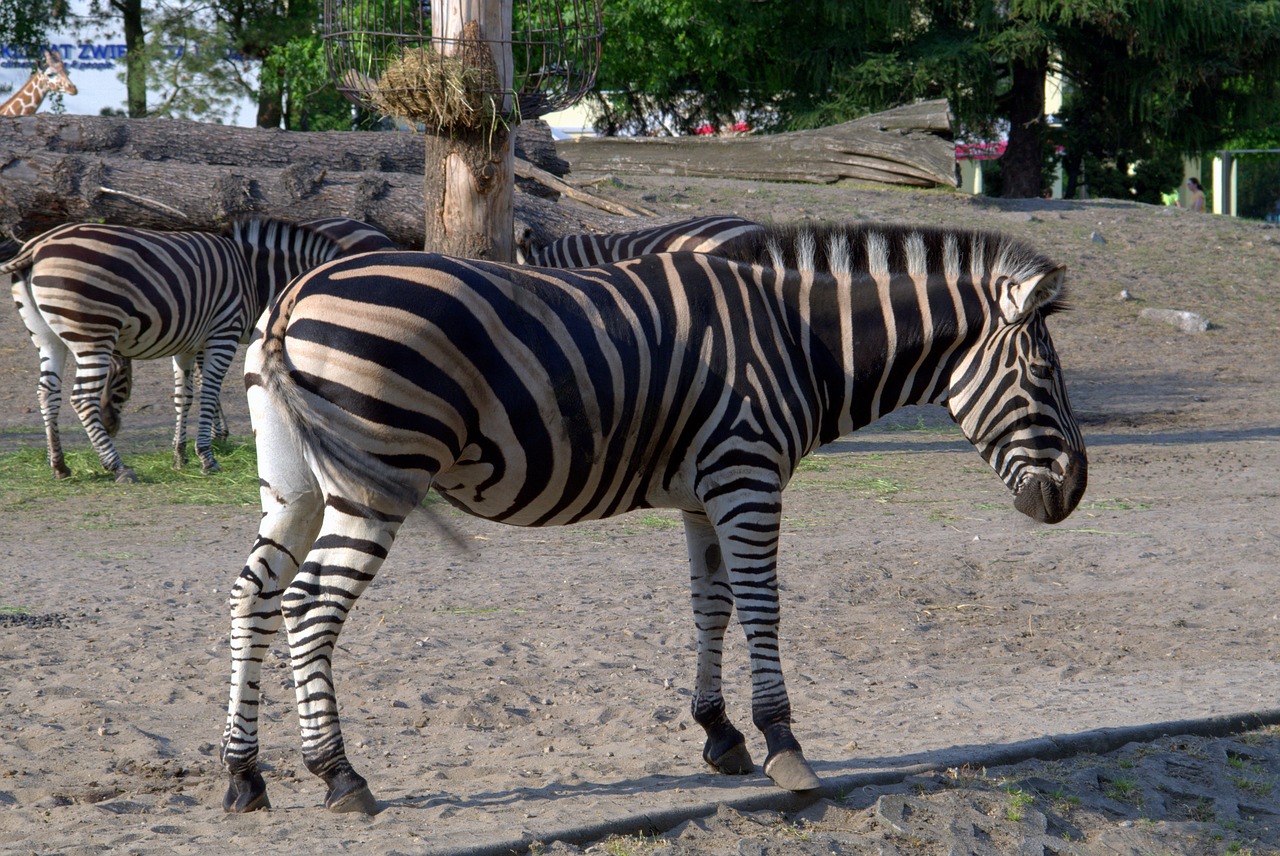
{"x": 540, "y": 396}
{"x": 717, "y": 234}
{"x": 109, "y": 294}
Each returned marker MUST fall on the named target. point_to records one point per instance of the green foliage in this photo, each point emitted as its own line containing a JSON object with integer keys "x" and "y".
{"x": 25, "y": 23}
{"x": 190, "y": 70}
{"x": 1258, "y": 191}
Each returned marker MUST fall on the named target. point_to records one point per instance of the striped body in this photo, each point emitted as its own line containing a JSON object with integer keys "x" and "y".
{"x": 111, "y": 294}
{"x": 718, "y": 235}
{"x": 537, "y": 396}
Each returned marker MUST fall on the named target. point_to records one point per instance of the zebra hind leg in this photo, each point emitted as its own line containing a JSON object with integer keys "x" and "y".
{"x": 352, "y": 544}
{"x": 92, "y": 372}
{"x": 49, "y": 394}
{"x": 116, "y": 392}
{"x": 726, "y": 748}
{"x": 183, "y": 393}
{"x": 289, "y": 524}
{"x": 53, "y": 358}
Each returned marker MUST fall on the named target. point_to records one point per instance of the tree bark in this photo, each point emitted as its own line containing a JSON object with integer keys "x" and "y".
{"x": 135, "y": 62}
{"x": 908, "y": 145}
{"x": 172, "y": 174}
{"x": 468, "y": 178}
{"x": 1023, "y": 162}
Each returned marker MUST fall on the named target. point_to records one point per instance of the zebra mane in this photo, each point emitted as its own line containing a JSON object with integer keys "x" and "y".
{"x": 892, "y": 248}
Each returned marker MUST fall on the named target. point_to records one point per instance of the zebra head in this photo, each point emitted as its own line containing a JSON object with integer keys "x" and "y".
{"x": 1007, "y": 394}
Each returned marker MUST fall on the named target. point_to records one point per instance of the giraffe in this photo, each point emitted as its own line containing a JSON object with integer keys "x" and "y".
{"x": 30, "y": 95}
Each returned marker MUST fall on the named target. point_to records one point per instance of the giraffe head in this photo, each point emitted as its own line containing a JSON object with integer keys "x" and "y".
{"x": 55, "y": 74}
{"x": 26, "y": 101}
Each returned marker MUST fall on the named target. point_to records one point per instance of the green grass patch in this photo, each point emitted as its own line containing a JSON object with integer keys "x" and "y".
{"x": 847, "y": 473}
{"x": 1116, "y": 504}
{"x": 659, "y": 521}
{"x": 25, "y": 478}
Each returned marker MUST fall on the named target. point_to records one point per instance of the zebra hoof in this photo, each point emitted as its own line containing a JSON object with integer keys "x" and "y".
{"x": 126, "y": 475}
{"x": 211, "y": 467}
{"x": 61, "y": 471}
{"x": 735, "y": 761}
{"x": 790, "y": 771}
{"x": 349, "y": 792}
{"x": 247, "y": 792}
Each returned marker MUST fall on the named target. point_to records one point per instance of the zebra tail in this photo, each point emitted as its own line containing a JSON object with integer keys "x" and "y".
{"x": 343, "y": 468}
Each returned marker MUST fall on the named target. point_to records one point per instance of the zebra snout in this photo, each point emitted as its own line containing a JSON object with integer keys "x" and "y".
{"x": 1049, "y": 501}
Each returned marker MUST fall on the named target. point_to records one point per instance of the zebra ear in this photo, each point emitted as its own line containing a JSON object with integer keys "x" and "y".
{"x": 1025, "y": 297}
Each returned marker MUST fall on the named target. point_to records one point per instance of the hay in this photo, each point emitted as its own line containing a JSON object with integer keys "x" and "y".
{"x": 441, "y": 91}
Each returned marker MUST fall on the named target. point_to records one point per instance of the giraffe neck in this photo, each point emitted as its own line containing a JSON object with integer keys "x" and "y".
{"x": 26, "y": 100}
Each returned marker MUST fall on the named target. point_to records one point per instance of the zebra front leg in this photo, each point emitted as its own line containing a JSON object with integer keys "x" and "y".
{"x": 348, "y": 552}
{"x": 221, "y": 430}
{"x": 747, "y": 525}
{"x": 726, "y": 749}
{"x": 92, "y": 370}
{"x": 214, "y": 361}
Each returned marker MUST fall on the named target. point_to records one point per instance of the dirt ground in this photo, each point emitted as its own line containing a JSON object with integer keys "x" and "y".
{"x": 535, "y": 686}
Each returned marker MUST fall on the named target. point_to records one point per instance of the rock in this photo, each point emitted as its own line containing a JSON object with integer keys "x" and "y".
{"x": 1097, "y": 238}
{"x": 1188, "y": 322}
{"x": 1124, "y": 295}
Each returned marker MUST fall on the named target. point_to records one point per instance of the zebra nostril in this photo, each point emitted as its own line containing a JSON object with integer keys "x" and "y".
{"x": 1049, "y": 501}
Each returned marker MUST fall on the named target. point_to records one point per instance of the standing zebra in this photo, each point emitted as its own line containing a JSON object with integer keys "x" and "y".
{"x": 719, "y": 235}
{"x": 109, "y": 294}
{"x": 536, "y": 397}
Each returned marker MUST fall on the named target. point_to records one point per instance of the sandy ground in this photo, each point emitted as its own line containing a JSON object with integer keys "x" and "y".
{"x": 536, "y": 685}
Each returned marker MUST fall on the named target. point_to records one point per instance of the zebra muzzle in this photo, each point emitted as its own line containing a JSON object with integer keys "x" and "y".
{"x": 1048, "y": 500}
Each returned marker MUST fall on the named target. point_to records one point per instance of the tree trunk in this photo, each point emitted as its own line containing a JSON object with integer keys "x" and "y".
{"x": 135, "y": 62}
{"x": 468, "y": 177}
{"x": 1023, "y": 161}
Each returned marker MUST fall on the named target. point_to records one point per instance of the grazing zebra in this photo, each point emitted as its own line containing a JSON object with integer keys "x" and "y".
{"x": 110, "y": 294}
{"x": 537, "y": 396}
{"x": 719, "y": 235}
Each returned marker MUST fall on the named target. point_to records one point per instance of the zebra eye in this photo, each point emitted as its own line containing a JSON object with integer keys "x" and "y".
{"x": 1044, "y": 371}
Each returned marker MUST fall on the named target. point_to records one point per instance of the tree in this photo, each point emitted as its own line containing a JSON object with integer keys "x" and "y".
{"x": 1188, "y": 73}
{"x": 25, "y": 23}
{"x": 192, "y": 58}
{"x": 294, "y": 89}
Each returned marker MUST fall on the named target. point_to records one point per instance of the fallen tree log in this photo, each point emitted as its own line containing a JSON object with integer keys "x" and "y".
{"x": 40, "y": 190}
{"x": 172, "y": 174}
{"x": 908, "y": 146}
{"x": 228, "y": 145}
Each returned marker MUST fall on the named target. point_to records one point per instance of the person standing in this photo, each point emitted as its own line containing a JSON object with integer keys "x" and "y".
{"x": 1196, "y": 192}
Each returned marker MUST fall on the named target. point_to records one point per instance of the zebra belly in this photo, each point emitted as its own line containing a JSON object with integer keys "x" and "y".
{"x": 604, "y": 490}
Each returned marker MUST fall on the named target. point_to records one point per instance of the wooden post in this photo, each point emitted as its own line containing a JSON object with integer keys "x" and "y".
{"x": 468, "y": 176}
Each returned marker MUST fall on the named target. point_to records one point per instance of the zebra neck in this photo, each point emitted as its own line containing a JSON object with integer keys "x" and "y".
{"x": 885, "y": 341}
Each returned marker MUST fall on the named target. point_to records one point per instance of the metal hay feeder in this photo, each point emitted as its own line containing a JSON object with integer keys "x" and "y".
{"x": 385, "y": 57}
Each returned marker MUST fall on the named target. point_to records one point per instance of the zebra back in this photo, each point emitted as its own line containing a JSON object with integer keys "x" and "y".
{"x": 279, "y": 250}
{"x": 718, "y": 234}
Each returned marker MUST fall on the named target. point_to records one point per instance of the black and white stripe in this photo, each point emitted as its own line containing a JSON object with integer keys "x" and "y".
{"x": 718, "y": 235}
{"x": 110, "y": 294}
{"x": 538, "y": 396}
